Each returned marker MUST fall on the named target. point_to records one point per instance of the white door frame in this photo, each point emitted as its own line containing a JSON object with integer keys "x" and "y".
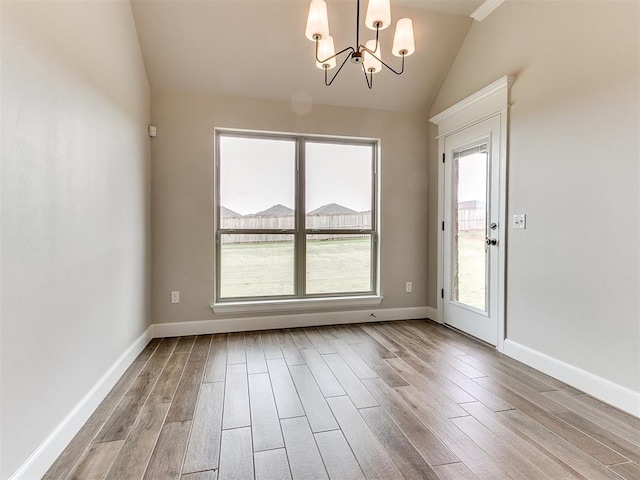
{"x": 491, "y": 101}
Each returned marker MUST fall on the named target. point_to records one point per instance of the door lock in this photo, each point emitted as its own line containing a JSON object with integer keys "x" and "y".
{"x": 491, "y": 242}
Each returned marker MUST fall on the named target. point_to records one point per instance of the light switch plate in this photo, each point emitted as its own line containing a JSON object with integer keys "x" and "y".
{"x": 519, "y": 222}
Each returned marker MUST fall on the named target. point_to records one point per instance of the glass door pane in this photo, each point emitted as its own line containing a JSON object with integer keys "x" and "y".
{"x": 469, "y": 253}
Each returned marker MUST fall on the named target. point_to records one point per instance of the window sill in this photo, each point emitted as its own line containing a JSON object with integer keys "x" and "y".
{"x": 297, "y": 304}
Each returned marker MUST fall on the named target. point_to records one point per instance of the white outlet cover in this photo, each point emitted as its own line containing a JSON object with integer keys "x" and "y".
{"x": 519, "y": 222}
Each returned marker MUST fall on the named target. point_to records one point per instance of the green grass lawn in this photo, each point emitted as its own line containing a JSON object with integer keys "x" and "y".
{"x": 471, "y": 270}
{"x": 263, "y": 269}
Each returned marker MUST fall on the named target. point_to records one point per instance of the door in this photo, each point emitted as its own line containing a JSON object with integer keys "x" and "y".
{"x": 471, "y": 230}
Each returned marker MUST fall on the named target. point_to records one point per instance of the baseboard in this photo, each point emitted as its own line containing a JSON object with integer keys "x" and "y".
{"x": 292, "y": 320}
{"x": 433, "y": 314}
{"x": 48, "y": 451}
{"x": 615, "y": 395}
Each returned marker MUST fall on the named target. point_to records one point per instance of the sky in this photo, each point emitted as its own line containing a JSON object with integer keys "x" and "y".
{"x": 256, "y": 174}
{"x": 472, "y": 177}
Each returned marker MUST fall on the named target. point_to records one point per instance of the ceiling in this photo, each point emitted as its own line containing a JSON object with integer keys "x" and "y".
{"x": 257, "y": 49}
{"x": 456, "y": 7}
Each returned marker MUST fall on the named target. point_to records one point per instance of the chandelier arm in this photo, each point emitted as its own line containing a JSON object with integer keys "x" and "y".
{"x": 382, "y": 61}
{"x": 332, "y": 56}
{"x": 368, "y": 79}
{"x": 326, "y": 76}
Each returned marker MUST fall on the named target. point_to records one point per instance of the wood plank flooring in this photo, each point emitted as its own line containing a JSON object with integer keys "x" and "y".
{"x": 394, "y": 400}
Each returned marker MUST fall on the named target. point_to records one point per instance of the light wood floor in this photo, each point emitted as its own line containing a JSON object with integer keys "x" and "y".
{"x": 393, "y": 400}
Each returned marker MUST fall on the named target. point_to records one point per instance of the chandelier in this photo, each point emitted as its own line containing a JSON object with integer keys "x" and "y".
{"x": 368, "y": 56}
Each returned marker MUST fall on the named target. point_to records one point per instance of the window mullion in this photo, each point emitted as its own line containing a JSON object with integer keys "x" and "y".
{"x": 257, "y": 231}
{"x": 301, "y": 240}
{"x": 331, "y": 231}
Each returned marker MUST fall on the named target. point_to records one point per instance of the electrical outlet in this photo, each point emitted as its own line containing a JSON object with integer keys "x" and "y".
{"x": 175, "y": 297}
{"x": 408, "y": 287}
{"x": 519, "y": 222}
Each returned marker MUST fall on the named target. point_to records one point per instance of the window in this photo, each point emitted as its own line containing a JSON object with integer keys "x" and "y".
{"x": 295, "y": 217}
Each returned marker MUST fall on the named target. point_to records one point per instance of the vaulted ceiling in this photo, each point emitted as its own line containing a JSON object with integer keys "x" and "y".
{"x": 257, "y": 49}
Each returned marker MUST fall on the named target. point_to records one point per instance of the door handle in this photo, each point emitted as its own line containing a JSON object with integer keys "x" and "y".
{"x": 491, "y": 242}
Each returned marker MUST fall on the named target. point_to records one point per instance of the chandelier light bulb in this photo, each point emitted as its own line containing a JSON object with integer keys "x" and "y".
{"x": 317, "y": 21}
{"x": 403, "y": 41}
{"x": 371, "y": 63}
{"x": 326, "y": 49}
{"x": 378, "y": 14}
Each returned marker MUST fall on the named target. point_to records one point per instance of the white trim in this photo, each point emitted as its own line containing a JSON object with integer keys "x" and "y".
{"x": 37, "y": 464}
{"x": 484, "y": 10}
{"x": 491, "y": 101}
{"x": 434, "y": 314}
{"x": 616, "y": 395}
{"x": 297, "y": 304}
{"x": 504, "y": 225}
{"x": 244, "y": 324}
{"x": 440, "y": 245}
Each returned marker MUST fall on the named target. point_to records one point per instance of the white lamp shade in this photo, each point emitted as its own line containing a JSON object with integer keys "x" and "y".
{"x": 378, "y": 11}
{"x": 317, "y": 21}
{"x": 372, "y": 64}
{"x": 326, "y": 49}
{"x": 403, "y": 39}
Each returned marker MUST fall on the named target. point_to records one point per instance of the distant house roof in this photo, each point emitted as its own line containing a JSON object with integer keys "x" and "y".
{"x": 331, "y": 209}
{"x": 471, "y": 204}
{"x": 276, "y": 211}
{"x": 227, "y": 212}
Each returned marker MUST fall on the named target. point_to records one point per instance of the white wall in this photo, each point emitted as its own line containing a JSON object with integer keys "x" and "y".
{"x": 182, "y": 197}
{"x": 572, "y": 275}
{"x": 75, "y": 208}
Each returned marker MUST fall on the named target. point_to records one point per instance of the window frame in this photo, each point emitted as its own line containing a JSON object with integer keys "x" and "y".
{"x": 300, "y": 232}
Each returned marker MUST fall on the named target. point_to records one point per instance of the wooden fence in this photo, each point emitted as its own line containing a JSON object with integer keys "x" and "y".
{"x": 355, "y": 221}
{"x": 468, "y": 219}
{"x": 471, "y": 219}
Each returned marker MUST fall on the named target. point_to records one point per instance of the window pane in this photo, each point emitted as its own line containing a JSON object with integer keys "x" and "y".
{"x": 470, "y": 209}
{"x": 338, "y": 186}
{"x": 338, "y": 263}
{"x": 256, "y": 265}
{"x": 257, "y": 182}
